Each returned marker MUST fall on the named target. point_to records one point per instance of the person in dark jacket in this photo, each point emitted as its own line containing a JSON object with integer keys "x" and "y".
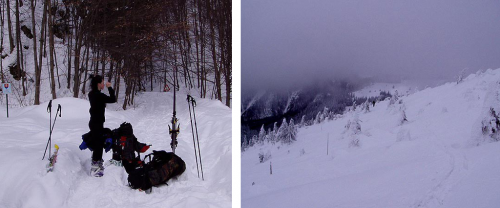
{"x": 98, "y": 102}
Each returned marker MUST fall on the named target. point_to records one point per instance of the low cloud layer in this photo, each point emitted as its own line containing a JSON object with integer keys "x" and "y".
{"x": 289, "y": 42}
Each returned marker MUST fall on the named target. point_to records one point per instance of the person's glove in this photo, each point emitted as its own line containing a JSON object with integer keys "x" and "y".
{"x": 83, "y": 145}
{"x": 145, "y": 148}
{"x": 108, "y": 143}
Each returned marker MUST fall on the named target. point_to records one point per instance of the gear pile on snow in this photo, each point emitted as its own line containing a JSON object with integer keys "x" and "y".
{"x": 161, "y": 165}
{"x": 160, "y": 169}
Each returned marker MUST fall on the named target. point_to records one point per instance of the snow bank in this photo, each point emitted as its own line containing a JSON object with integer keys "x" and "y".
{"x": 23, "y": 137}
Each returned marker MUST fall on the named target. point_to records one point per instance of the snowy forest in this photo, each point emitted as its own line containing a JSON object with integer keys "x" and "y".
{"x": 275, "y": 116}
{"x": 53, "y": 46}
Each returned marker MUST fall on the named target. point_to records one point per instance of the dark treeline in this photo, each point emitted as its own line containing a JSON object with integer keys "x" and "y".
{"x": 325, "y": 98}
{"x": 142, "y": 43}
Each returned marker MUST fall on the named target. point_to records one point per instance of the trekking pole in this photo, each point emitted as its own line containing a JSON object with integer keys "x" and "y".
{"x": 189, "y": 98}
{"x": 49, "y": 110}
{"x": 49, "y": 142}
{"x": 193, "y": 102}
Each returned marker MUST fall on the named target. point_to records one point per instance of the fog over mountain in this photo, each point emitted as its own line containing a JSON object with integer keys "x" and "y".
{"x": 286, "y": 43}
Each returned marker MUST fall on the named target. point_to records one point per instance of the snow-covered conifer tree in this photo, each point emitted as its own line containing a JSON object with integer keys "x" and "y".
{"x": 244, "y": 143}
{"x": 302, "y": 121}
{"x": 272, "y": 133}
{"x": 293, "y": 130}
{"x": 324, "y": 115}
{"x": 262, "y": 134}
{"x": 254, "y": 140}
{"x": 282, "y": 131}
{"x": 317, "y": 120}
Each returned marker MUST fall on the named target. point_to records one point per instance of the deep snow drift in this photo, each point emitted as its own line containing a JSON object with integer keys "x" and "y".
{"x": 23, "y": 136}
{"x": 438, "y": 158}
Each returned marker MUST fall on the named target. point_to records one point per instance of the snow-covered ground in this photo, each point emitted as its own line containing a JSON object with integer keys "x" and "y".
{"x": 23, "y": 136}
{"x": 438, "y": 158}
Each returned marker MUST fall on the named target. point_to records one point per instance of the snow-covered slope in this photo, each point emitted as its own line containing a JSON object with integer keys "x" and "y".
{"x": 439, "y": 158}
{"x": 25, "y": 183}
{"x": 374, "y": 89}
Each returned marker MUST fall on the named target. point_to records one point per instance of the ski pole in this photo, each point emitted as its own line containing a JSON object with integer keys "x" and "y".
{"x": 193, "y": 102}
{"x": 51, "y": 129}
{"x": 192, "y": 131}
{"x": 49, "y": 110}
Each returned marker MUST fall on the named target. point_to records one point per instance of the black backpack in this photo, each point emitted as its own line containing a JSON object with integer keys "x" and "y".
{"x": 125, "y": 144}
{"x": 161, "y": 168}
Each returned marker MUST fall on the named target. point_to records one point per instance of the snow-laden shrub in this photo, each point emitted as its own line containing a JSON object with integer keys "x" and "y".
{"x": 263, "y": 157}
{"x": 354, "y": 142}
{"x": 491, "y": 126}
{"x": 353, "y": 126}
{"x": 352, "y": 131}
{"x": 302, "y": 152}
{"x": 461, "y": 76}
{"x": 366, "y": 106}
{"x": 402, "y": 114}
{"x": 394, "y": 99}
{"x": 324, "y": 115}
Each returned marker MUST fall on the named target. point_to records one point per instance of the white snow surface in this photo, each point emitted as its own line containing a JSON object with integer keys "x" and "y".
{"x": 438, "y": 159}
{"x": 24, "y": 181}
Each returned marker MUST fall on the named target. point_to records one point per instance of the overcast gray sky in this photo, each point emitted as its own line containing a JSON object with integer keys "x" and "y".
{"x": 290, "y": 41}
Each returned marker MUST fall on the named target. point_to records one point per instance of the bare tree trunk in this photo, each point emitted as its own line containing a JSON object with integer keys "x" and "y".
{"x": 78, "y": 49}
{"x": 86, "y": 70}
{"x": 133, "y": 93}
{"x": 203, "y": 90}
{"x": 57, "y": 73}
{"x": 2, "y": 11}
{"x": 225, "y": 30}
{"x": 103, "y": 62}
{"x": 96, "y": 61}
{"x": 214, "y": 53}
{"x": 110, "y": 73}
{"x": 197, "y": 45}
{"x": 51, "y": 52}
{"x": 9, "y": 25}
{"x": 70, "y": 55}
{"x": 18, "y": 48}
{"x": 42, "y": 36}
{"x": 118, "y": 78}
{"x": 128, "y": 90}
{"x": 38, "y": 70}
{"x": 18, "y": 36}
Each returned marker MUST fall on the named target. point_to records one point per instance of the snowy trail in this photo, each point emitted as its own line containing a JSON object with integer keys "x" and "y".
{"x": 24, "y": 135}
